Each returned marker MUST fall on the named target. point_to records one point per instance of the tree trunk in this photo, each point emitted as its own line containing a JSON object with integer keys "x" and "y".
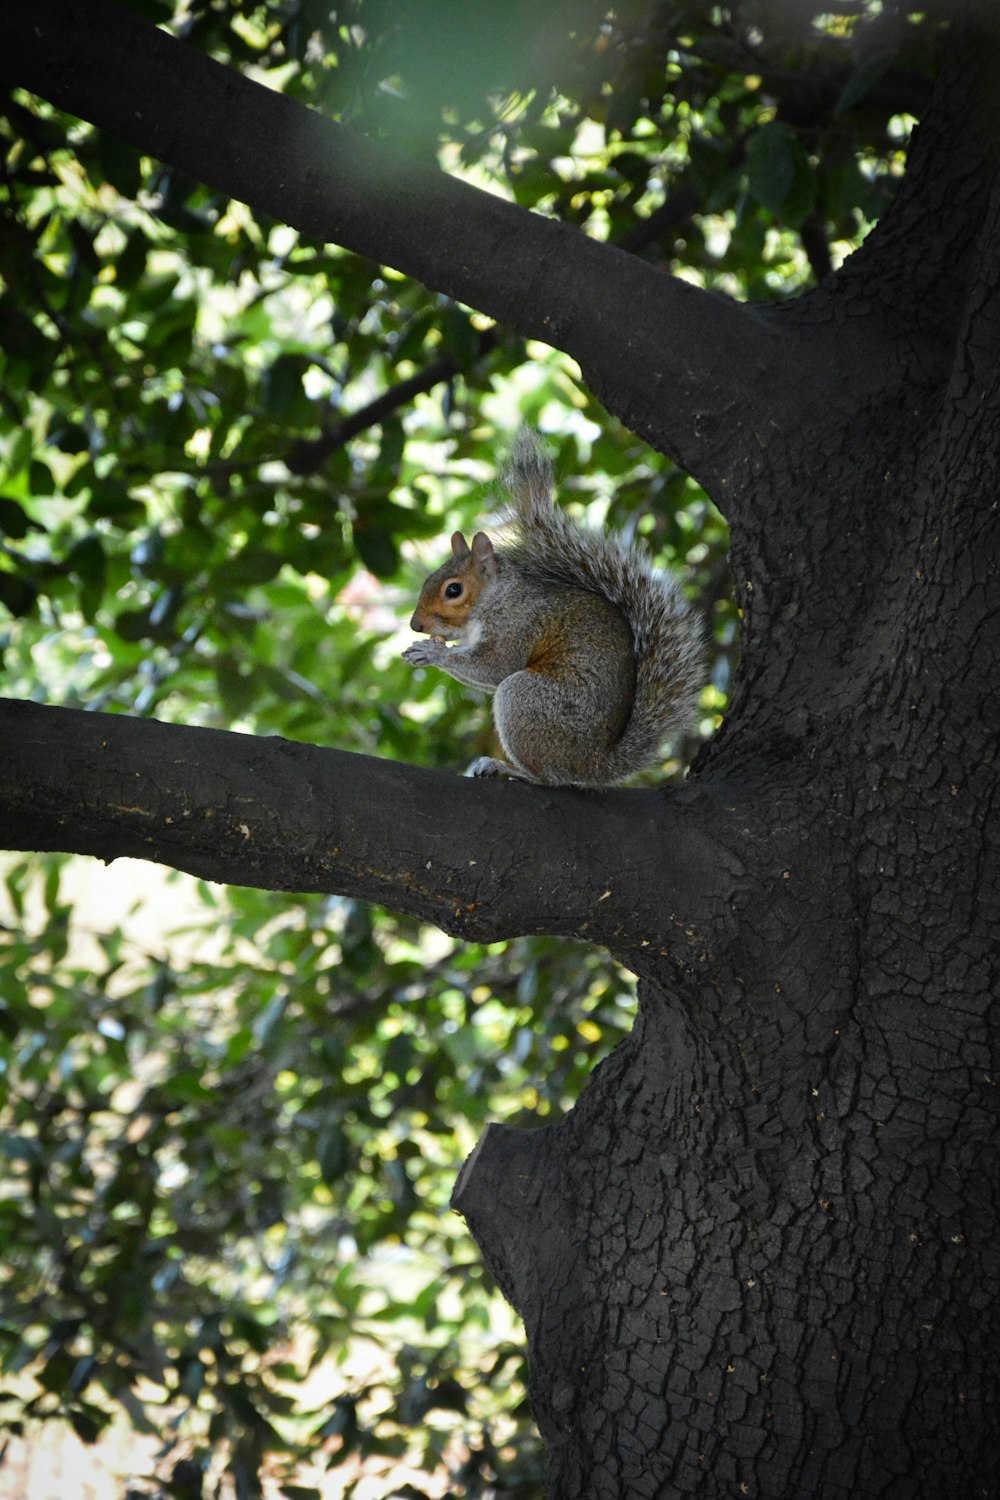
{"x": 759, "y": 1256}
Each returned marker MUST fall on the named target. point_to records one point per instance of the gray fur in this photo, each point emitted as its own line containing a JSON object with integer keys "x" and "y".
{"x": 668, "y": 643}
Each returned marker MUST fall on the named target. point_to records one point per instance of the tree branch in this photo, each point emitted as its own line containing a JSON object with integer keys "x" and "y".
{"x": 480, "y": 859}
{"x": 308, "y": 455}
{"x": 681, "y": 367}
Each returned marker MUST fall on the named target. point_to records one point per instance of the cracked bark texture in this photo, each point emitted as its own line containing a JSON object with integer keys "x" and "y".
{"x": 760, "y": 1255}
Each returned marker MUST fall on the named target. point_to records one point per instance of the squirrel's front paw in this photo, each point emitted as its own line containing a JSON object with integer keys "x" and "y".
{"x": 424, "y": 653}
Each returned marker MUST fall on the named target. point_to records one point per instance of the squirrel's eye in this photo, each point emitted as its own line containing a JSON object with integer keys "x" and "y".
{"x": 453, "y": 591}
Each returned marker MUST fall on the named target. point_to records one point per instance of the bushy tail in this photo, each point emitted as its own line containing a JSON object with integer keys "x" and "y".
{"x": 669, "y": 649}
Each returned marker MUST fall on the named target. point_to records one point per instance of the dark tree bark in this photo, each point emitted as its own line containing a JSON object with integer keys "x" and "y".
{"x": 291, "y": 817}
{"x": 760, "y": 1255}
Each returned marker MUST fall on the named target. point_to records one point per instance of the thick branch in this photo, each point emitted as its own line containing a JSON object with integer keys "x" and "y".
{"x": 673, "y": 362}
{"x": 483, "y": 860}
{"x": 309, "y": 455}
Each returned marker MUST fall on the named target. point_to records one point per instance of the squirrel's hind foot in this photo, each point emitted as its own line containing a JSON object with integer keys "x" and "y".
{"x": 487, "y": 766}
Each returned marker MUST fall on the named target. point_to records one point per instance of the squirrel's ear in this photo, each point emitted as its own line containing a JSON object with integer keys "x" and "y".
{"x": 459, "y": 545}
{"x": 482, "y": 552}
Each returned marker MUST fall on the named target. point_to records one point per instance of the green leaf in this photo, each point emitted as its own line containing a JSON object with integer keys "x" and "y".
{"x": 69, "y": 437}
{"x": 253, "y": 565}
{"x": 237, "y": 687}
{"x": 16, "y": 594}
{"x": 133, "y": 624}
{"x": 88, "y": 1422}
{"x": 14, "y": 519}
{"x": 862, "y": 81}
{"x": 460, "y": 337}
{"x": 779, "y": 173}
{"x": 57, "y": 1371}
{"x": 88, "y": 562}
{"x": 122, "y": 164}
{"x": 377, "y": 551}
{"x": 332, "y": 1152}
{"x": 281, "y": 386}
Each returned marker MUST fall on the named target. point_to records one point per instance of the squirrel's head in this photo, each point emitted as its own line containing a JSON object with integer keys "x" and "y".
{"x": 450, "y": 594}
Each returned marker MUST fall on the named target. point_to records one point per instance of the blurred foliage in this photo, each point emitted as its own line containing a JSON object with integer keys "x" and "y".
{"x": 226, "y": 456}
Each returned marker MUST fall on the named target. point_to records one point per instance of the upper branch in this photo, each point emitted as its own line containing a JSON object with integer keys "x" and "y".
{"x": 483, "y": 860}
{"x": 674, "y": 362}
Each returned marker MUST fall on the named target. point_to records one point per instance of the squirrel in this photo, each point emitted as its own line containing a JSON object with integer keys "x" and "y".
{"x": 592, "y": 655}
